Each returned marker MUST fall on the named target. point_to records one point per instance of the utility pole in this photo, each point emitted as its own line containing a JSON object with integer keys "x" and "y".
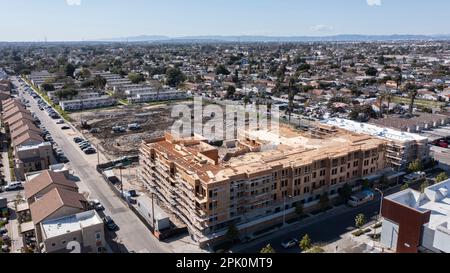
{"x": 381, "y": 210}
{"x": 153, "y": 212}
{"x": 98, "y": 156}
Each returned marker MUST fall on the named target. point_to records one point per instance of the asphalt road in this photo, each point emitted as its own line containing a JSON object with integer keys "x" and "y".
{"x": 133, "y": 234}
{"x": 323, "y": 231}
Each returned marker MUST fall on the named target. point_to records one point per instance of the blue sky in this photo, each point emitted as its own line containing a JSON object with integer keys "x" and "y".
{"x": 32, "y": 20}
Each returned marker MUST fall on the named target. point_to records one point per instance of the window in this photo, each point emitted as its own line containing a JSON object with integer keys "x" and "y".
{"x": 53, "y": 244}
{"x": 63, "y": 242}
{"x": 99, "y": 250}
{"x": 98, "y": 235}
{"x": 334, "y": 172}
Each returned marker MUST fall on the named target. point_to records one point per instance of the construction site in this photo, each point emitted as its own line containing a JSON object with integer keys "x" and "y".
{"x": 120, "y": 131}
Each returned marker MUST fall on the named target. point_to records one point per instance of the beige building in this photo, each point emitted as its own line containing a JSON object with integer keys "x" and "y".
{"x": 83, "y": 232}
{"x": 258, "y": 180}
{"x": 31, "y": 152}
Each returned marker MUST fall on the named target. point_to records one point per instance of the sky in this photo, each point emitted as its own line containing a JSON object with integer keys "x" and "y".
{"x": 81, "y": 20}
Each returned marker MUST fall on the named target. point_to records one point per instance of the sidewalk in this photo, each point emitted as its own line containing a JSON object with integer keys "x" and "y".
{"x": 16, "y": 238}
{"x": 313, "y": 219}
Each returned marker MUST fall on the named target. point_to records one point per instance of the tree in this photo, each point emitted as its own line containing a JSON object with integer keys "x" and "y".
{"x": 424, "y": 185}
{"x": 316, "y": 250}
{"x": 324, "y": 201}
{"x": 84, "y": 74}
{"x": 305, "y": 243}
{"x": 174, "y": 77}
{"x": 384, "y": 181}
{"x": 99, "y": 82}
{"x": 222, "y": 70}
{"x": 299, "y": 209}
{"x": 360, "y": 220}
{"x": 404, "y": 187}
{"x": 345, "y": 192}
{"x": 232, "y": 233}
{"x": 48, "y": 87}
{"x": 268, "y": 250}
{"x": 411, "y": 89}
{"x": 231, "y": 90}
{"x": 415, "y": 166}
{"x": 136, "y": 78}
{"x": 441, "y": 177}
{"x": 69, "y": 69}
{"x": 371, "y": 71}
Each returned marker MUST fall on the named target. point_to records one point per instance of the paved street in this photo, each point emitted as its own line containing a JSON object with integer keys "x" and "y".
{"x": 133, "y": 233}
{"x": 326, "y": 229}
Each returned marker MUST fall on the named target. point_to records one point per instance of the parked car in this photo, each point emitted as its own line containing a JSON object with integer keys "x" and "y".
{"x": 361, "y": 198}
{"x": 3, "y": 230}
{"x": 78, "y": 139}
{"x": 97, "y": 205}
{"x": 13, "y": 186}
{"x": 65, "y": 127}
{"x": 109, "y": 223}
{"x": 60, "y": 121}
{"x": 290, "y": 243}
{"x": 85, "y": 146}
{"x": 90, "y": 151}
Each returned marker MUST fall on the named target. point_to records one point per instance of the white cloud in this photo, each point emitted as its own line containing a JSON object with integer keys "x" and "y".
{"x": 73, "y": 2}
{"x": 374, "y": 2}
{"x": 322, "y": 28}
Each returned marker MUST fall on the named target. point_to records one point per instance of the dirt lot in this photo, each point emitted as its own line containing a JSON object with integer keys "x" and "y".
{"x": 154, "y": 121}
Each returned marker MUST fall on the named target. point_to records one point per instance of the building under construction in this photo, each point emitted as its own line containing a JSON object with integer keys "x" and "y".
{"x": 258, "y": 180}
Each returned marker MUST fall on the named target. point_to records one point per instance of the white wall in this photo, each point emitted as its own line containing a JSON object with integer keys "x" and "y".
{"x": 389, "y": 234}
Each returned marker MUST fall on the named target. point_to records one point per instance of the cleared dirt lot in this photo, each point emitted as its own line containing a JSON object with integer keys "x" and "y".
{"x": 154, "y": 120}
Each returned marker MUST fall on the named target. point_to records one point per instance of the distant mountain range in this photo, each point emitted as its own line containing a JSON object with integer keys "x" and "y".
{"x": 337, "y": 38}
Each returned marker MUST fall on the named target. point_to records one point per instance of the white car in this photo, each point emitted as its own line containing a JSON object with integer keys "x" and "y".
{"x": 13, "y": 186}
{"x": 60, "y": 121}
{"x": 291, "y": 243}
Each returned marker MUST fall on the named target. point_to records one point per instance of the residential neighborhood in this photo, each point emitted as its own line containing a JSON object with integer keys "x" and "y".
{"x": 246, "y": 144}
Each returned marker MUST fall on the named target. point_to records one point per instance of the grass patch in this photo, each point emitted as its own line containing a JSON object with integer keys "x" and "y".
{"x": 361, "y": 232}
{"x": 378, "y": 225}
{"x": 11, "y": 164}
{"x": 419, "y": 102}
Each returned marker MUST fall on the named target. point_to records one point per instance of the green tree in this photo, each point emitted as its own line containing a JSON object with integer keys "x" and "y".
{"x": 99, "y": 82}
{"x": 316, "y": 250}
{"x": 48, "y": 87}
{"x": 232, "y": 233}
{"x": 360, "y": 220}
{"x": 69, "y": 69}
{"x": 231, "y": 90}
{"x": 324, "y": 201}
{"x": 222, "y": 70}
{"x": 441, "y": 177}
{"x": 174, "y": 77}
{"x": 415, "y": 166}
{"x": 305, "y": 243}
{"x": 267, "y": 250}
{"x": 424, "y": 185}
{"x": 371, "y": 71}
{"x": 404, "y": 187}
{"x": 345, "y": 192}
{"x": 299, "y": 209}
{"x": 136, "y": 78}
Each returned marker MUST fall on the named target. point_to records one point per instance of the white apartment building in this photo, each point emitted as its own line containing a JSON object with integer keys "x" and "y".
{"x": 90, "y": 103}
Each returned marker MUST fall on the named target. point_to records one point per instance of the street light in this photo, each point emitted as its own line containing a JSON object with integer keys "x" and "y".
{"x": 284, "y": 209}
{"x": 379, "y": 214}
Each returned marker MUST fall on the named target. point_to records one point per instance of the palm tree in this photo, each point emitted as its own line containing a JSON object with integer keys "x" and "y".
{"x": 389, "y": 100}
{"x": 380, "y": 101}
{"x": 412, "y": 93}
{"x": 291, "y": 98}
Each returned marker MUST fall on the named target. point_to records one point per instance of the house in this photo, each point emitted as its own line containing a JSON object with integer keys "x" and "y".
{"x": 43, "y": 183}
{"x": 55, "y": 204}
{"x": 84, "y": 230}
{"x": 89, "y": 103}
